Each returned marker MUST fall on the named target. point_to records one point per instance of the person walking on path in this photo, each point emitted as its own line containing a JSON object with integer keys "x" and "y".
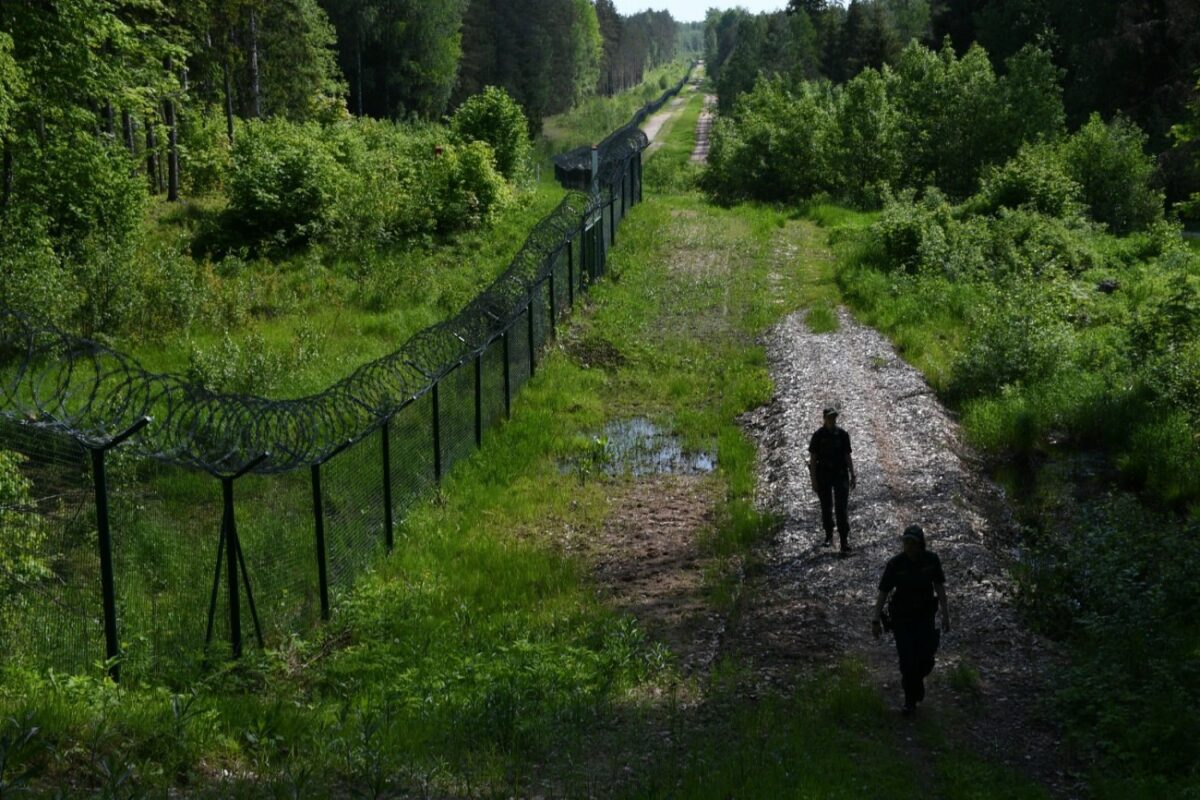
{"x": 917, "y": 588}
{"x": 831, "y": 468}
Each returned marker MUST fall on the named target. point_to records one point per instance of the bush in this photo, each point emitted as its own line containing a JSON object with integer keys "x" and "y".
{"x": 1018, "y": 337}
{"x": 865, "y": 146}
{"x": 204, "y": 152}
{"x": 282, "y": 182}
{"x": 469, "y": 189}
{"x": 35, "y": 281}
{"x": 913, "y": 234}
{"x": 87, "y": 190}
{"x": 1024, "y": 242}
{"x": 773, "y": 148}
{"x": 23, "y": 557}
{"x": 386, "y": 193}
{"x": 1108, "y": 162}
{"x": 492, "y": 116}
{"x": 1034, "y": 179}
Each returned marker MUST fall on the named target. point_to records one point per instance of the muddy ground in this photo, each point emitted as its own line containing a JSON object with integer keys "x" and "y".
{"x": 803, "y": 608}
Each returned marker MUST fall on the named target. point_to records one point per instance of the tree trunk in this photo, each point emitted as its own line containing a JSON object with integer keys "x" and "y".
{"x": 358, "y": 72}
{"x": 152, "y": 159}
{"x": 6, "y": 182}
{"x": 127, "y": 129}
{"x": 110, "y": 124}
{"x": 228, "y": 100}
{"x": 255, "y": 100}
{"x": 172, "y": 141}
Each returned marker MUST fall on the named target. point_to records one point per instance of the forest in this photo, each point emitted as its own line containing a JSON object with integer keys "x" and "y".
{"x": 145, "y": 144}
{"x": 1021, "y": 178}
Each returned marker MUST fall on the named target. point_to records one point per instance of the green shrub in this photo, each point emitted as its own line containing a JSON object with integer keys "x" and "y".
{"x": 1129, "y": 692}
{"x": 1017, "y": 337}
{"x": 282, "y": 182}
{"x": 386, "y": 193}
{"x": 865, "y": 146}
{"x": 35, "y": 280}
{"x": 492, "y": 116}
{"x": 469, "y": 189}
{"x": 86, "y": 189}
{"x": 774, "y": 146}
{"x": 1034, "y": 179}
{"x": 24, "y": 561}
{"x": 204, "y": 152}
{"x": 913, "y": 234}
{"x": 1110, "y": 165}
{"x": 1024, "y": 242}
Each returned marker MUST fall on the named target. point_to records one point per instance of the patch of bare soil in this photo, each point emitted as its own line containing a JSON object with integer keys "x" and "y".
{"x": 648, "y": 561}
{"x": 655, "y": 123}
{"x": 803, "y": 607}
{"x": 703, "y": 129}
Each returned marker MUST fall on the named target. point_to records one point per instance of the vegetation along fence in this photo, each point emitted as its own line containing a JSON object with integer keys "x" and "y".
{"x": 147, "y": 524}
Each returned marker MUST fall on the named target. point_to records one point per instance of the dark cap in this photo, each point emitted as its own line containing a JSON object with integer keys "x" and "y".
{"x": 830, "y": 411}
{"x": 915, "y": 533}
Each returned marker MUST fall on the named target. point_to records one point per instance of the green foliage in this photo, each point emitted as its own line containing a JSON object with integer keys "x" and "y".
{"x": 495, "y": 118}
{"x": 204, "y": 153}
{"x": 35, "y": 280}
{"x": 1107, "y": 160}
{"x": 1017, "y": 337}
{"x": 282, "y": 181}
{"x": 1036, "y": 179}
{"x": 1129, "y": 693}
{"x": 865, "y": 142}
{"x": 469, "y": 189}
{"x": 24, "y": 561}
{"x": 87, "y": 190}
{"x": 773, "y": 147}
{"x": 11, "y": 83}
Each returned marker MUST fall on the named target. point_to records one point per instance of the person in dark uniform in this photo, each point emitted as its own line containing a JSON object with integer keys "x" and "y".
{"x": 831, "y": 468}
{"x": 917, "y": 588}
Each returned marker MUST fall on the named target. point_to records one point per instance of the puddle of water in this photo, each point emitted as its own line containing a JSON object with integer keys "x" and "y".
{"x": 639, "y": 447}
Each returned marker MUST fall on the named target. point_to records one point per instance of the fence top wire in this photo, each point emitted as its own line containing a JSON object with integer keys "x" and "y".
{"x": 55, "y": 380}
{"x": 621, "y": 144}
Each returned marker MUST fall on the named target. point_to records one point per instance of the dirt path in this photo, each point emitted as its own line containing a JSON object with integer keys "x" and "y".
{"x": 655, "y": 124}
{"x": 703, "y": 128}
{"x": 804, "y": 607}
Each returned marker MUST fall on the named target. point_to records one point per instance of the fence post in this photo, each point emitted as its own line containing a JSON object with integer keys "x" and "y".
{"x": 598, "y": 233}
{"x": 640, "y": 177}
{"x": 389, "y": 524}
{"x": 231, "y": 569}
{"x": 507, "y": 377}
{"x": 479, "y": 399}
{"x": 108, "y": 583}
{"x": 532, "y": 355}
{"x": 571, "y": 272}
{"x": 319, "y": 516}
{"x": 624, "y": 180}
{"x": 437, "y": 435}
{"x": 553, "y": 308}
{"x": 612, "y": 216}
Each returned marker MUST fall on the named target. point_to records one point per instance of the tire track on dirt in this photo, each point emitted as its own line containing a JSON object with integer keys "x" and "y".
{"x": 804, "y": 608}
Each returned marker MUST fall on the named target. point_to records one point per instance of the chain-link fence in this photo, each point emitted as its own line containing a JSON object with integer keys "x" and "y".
{"x": 148, "y": 526}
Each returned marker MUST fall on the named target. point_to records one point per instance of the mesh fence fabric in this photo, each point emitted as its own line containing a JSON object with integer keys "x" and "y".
{"x": 63, "y": 397}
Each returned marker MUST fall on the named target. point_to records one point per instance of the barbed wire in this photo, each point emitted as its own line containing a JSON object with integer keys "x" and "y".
{"x": 612, "y": 148}
{"x": 83, "y": 388}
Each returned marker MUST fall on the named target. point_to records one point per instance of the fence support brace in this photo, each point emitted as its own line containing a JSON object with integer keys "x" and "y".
{"x": 231, "y": 547}
{"x": 108, "y": 585}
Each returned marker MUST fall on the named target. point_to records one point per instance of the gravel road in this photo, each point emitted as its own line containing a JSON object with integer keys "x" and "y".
{"x": 804, "y": 607}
